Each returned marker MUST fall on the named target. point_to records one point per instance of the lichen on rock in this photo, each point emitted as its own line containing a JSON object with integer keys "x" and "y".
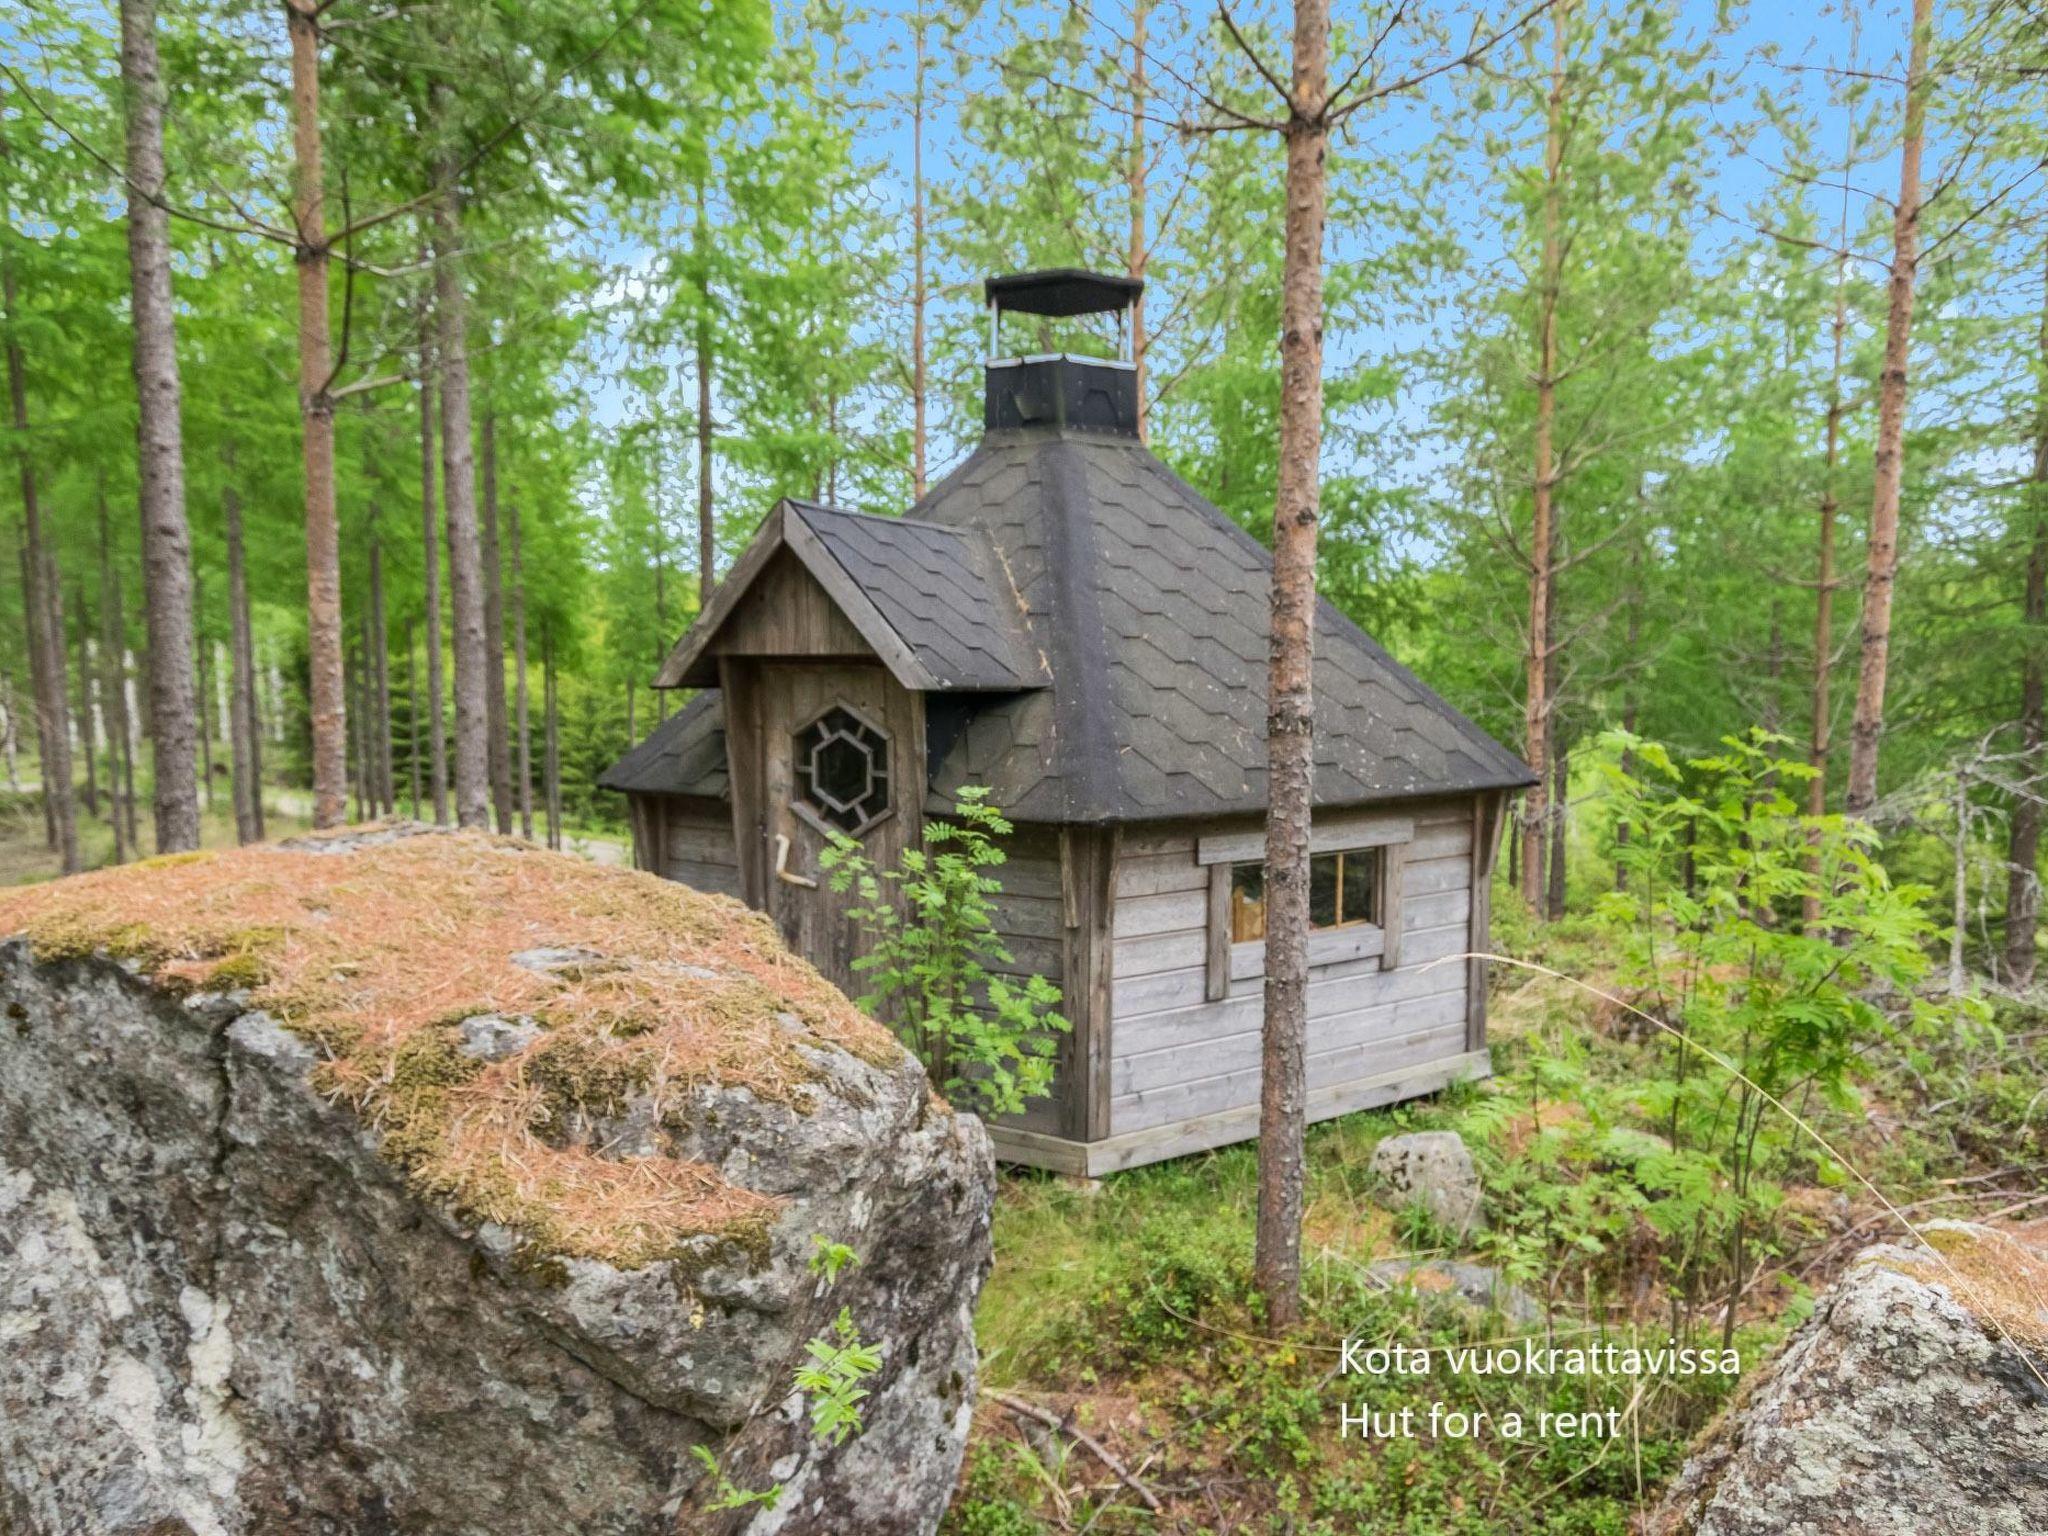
{"x": 431, "y": 1182}
{"x": 1915, "y": 1399}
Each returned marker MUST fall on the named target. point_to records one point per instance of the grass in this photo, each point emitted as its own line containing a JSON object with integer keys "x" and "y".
{"x": 1128, "y": 1305}
{"x": 25, "y": 859}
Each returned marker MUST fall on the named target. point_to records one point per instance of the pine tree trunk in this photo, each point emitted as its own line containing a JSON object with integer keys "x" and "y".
{"x": 1630, "y": 704}
{"x": 494, "y": 634}
{"x": 1136, "y": 254}
{"x": 1283, "y": 1087}
{"x": 244, "y": 747}
{"x": 662, "y": 638}
{"x": 328, "y": 706}
{"x": 1821, "y": 735}
{"x": 199, "y": 715}
{"x": 43, "y": 602}
{"x": 412, "y": 720}
{"x": 430, "y": 539}
{"x": 1560, "y": 799}
{"x": 521, "y": 721}
{"x": 166, "y": 538}
{"x": 2023, "y": 845}
{"x": 88, "y": 737}
{"x": 359, "y": 709}
{"x": 458, "y": 477}
{"x": 707, "y": 527}
{"x": 551, "y": 760}
{"x": 380, "y": 684}
{"x": 1881, "y": 573}
{"x": 920, "y": 285}
{"x": 1543, "y": 486}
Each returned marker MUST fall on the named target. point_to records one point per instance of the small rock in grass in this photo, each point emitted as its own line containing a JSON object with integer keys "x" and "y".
{"x": 1477, "y": 1284}
{"x": 1432, "y": 1169}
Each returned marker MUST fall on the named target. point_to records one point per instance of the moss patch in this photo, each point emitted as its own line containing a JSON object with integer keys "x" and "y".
{"x": 2000, "y": 1276}
{"x": 375, "y": 956}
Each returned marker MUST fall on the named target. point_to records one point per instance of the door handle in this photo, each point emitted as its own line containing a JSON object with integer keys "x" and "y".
{"x": 782, "y": 866}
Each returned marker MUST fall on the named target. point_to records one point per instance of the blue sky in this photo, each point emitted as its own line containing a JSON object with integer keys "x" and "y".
{"x": 1785, "y": 52}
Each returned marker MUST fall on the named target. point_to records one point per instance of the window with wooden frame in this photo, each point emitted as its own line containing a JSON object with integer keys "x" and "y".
{"x": 1354, "y": 900}
{"x": 1343, "y": 892}
{"x": 841, "y": 764}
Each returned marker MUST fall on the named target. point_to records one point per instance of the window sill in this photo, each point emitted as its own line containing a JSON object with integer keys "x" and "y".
{"x": 1333, "y": 946}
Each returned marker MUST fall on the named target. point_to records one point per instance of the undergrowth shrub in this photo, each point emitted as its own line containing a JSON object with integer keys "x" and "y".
{"x": 937, "y": 968}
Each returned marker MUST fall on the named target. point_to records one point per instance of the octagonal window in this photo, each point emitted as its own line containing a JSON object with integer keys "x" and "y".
{"x": 842, "y": 770}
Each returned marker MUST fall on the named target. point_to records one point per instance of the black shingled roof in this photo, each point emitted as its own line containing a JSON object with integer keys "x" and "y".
{"x": 1151, "y": 607}
{"x": 934, "y": 602}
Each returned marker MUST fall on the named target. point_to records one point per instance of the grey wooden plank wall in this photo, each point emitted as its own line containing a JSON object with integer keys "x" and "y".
{"x": 697, "y": 847}
{"x": 1177, "y": 1054}
{"x": 1030, "y": 919}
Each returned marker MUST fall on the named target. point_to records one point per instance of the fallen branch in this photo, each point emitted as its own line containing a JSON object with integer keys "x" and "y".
{"x": 1065, "y": 1425}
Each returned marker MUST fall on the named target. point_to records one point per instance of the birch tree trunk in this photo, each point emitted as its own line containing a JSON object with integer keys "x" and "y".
{"x": 1283, "y": 1086}
{"x": 243, "y": 746}
{"x": 494, "y": 633}
{"x": 1867, "y": 728}
{"x": 2023, "y": 845}
{"x": 328, "y": 702}
{"x": 521, "y": 722}
{"x": 10, "y": 738}
{"x": 114, "y": 635}
{"x": 1543, "y": 485}
{"x": 36, "y": 630}
{"x": 458, "y": 476}
{"x": 166, "y": 539}
{"x": 45, "y": 605}
{"x": 430, "y": 541}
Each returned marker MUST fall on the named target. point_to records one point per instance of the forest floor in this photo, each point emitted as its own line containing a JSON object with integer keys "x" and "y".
{"x": 25, "y": 857}
{"x": 1123, "y": 1308}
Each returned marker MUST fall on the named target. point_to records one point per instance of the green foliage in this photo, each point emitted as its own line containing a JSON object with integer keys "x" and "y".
{"x": 725, "y": 1493}
{"x": 937, "y": 967}
{"x": 830, "y": 1379}
{"x": 1772, "y": 949}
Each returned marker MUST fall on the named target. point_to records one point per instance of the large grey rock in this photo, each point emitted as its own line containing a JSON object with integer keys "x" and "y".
{"x": 1897, "y": 1409}
{"x": 1432, "y": 1169}
{"x": 224, "y": 1312}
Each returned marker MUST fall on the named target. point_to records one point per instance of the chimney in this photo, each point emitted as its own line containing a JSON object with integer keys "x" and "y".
{"x": 1059, "y": 389}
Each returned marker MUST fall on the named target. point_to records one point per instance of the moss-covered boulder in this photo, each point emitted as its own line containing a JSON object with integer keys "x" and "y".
{"x": 1914, "y": 1400}
{"x": 420, "y": 1182}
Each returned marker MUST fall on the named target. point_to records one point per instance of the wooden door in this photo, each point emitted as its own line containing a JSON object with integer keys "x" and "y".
{"x": 840, "y": 748}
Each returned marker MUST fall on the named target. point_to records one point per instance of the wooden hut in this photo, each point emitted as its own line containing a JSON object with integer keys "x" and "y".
{"x": 1064, "y": 621}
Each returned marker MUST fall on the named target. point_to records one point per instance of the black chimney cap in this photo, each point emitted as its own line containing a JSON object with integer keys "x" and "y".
{"x": 1062, "y": 291}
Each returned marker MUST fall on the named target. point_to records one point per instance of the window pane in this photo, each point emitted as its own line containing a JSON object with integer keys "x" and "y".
{"x": 1247, "y": 903}
{"x": 1362, "y": 886}
{"x": 1322, "y": 891}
